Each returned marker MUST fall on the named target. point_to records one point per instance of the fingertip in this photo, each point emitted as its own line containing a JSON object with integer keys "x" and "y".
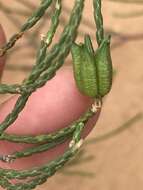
{"x": 50, "y": 108}
{"x": 54, "y": 106}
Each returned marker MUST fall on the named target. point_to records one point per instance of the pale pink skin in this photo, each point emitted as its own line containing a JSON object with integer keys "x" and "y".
{"x": 51, "y": 107}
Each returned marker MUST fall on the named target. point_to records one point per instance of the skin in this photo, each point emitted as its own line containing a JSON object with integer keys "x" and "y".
{"x": 51, "y": 107}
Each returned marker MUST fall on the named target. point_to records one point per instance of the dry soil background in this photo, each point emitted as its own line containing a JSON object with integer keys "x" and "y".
{"x": 117, "y": 162}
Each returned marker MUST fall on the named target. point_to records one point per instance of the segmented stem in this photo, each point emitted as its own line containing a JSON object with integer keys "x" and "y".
{"x": 98, "y": 20}
{"x": 46, "y": 138}
{"x": 29, "y": 24}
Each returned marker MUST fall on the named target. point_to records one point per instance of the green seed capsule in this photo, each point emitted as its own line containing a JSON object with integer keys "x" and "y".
{"x": 104, "y": 67}
{"x": 92, "y": 71}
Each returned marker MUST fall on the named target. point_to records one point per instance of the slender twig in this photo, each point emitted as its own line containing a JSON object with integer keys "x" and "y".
{"x": 29, "y": 24}
{"x": 98, "y": 20}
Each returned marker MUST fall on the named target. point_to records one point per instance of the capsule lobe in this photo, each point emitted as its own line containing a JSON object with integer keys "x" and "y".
{"x": 104, "y": 67}
{"x": 84, "y": 70}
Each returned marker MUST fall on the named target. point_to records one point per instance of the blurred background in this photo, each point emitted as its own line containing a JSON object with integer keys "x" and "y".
{"x": 111, "y": 158}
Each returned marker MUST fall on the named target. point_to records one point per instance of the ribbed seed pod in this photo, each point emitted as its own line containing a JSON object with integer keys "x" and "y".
{"x": 84, "y": 70}
{"x": 104, "y": 67}
{"x": 92, "y": 71}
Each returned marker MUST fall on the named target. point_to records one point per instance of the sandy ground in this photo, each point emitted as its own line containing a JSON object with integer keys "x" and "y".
{"x": 117, "y": 160}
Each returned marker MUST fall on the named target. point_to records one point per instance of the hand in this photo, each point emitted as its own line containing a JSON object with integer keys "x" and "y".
{"x": 51, "y": 107}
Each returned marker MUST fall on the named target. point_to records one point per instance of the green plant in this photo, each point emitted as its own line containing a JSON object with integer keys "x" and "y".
{"x": 47, "y": 63}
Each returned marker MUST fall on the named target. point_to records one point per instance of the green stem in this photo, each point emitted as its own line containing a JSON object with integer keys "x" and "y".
{"x": 14, "y": 174}
{"x": 36, "y": 16}
{"x": 99, "y": 21}
{"x": 46, "y": 138}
